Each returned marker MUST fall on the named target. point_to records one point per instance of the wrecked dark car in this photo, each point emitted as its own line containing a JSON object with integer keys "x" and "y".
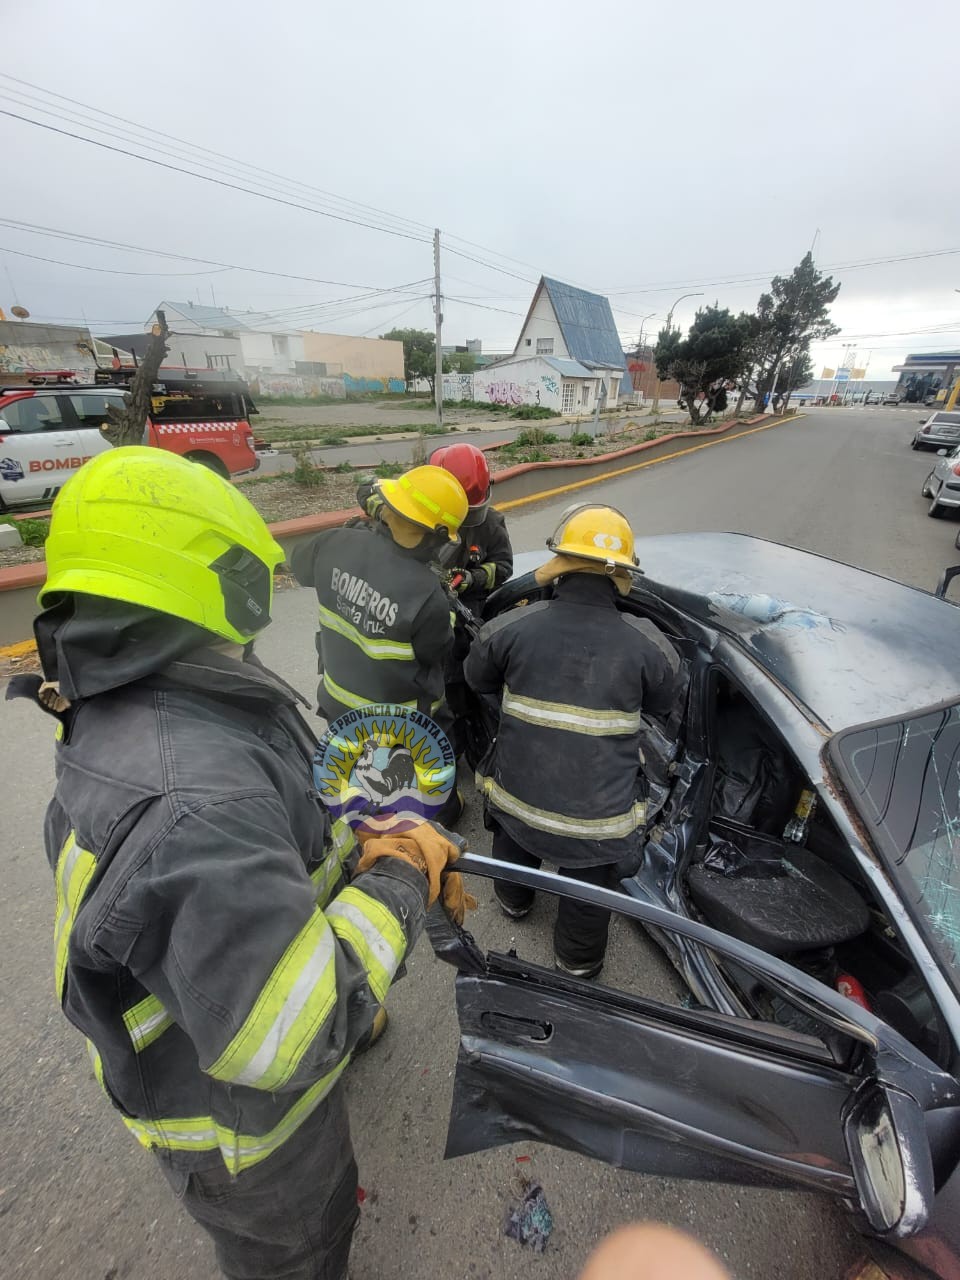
{"x": 800, "y": 870}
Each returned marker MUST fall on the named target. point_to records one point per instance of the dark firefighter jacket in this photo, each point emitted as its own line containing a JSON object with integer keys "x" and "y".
{"x": 207, "y": 943}
{"x": 573, "y": 675}
{"x": 486, "y": 550}
{"x": 385, "y": 625}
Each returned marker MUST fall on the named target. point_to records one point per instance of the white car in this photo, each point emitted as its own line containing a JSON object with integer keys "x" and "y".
{"x": 942, "y": 485}
{"x": 48, "y": 432}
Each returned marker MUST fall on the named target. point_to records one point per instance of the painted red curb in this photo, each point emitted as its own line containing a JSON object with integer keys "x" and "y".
{"x": 559, "y": 463}
{"x": 313, "y": 524}
{"x": 18, "y": 576}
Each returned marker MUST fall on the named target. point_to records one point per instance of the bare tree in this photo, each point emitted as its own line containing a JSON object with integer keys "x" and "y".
{"x": 125, "y": 426}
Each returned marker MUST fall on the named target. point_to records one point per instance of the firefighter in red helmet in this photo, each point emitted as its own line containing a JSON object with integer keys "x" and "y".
{"x": 482, "y": 561}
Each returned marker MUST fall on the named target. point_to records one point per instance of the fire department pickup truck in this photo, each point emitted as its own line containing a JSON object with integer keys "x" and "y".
{"x": 47, "y": 431}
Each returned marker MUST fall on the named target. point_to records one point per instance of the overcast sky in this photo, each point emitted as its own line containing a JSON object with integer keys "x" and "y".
{"x": 642, "y": 151}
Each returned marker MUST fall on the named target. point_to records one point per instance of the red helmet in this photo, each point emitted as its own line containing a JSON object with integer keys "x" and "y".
{"x": 469, "y": 465}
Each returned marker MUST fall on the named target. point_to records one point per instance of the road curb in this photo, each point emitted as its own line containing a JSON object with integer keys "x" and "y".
{"x": 20, "y": 583}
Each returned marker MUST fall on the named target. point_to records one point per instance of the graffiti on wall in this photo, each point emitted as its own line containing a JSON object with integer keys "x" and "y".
{"x": 361, "y": 386}
{"x": 300, "y": 386}
{"x": 504, "y": 392}
{"x": 30, "y": 358}
{"x": 458, "y": 386}
{"x": 551, "y": 384}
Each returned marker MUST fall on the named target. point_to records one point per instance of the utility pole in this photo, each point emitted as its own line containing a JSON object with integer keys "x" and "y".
{"x": 438, "y": 312}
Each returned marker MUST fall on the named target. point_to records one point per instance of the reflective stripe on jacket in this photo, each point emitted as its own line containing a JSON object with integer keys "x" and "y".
{"x": 206, "y": 939}
{"x": 385, "y": 625}
{"x": 573, "y": 676}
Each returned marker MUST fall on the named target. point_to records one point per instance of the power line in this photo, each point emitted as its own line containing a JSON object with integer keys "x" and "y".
{"x": 403, "y": 228}
{"x": 113, "y": 271}
{"x": 88, "y": 116}
{"x": 78, "y": 238}
{"x": 203, "y": 177}
{"x": 857, "y": 265}
{"x": 222, "y": 181}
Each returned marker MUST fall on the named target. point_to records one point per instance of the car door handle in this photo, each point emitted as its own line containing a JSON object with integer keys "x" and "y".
{"x": 520, "y": 1028}
{"x": 62, "y": 442}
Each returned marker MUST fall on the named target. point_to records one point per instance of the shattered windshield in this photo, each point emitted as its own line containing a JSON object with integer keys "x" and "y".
{"x": 905, "y": 780}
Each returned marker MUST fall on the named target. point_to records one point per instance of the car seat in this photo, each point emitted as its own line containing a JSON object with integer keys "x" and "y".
{"x": 789, "y": 901}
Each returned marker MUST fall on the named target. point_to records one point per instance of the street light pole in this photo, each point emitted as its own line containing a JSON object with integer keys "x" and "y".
{"x": 640, "y": 346}
{"x": 656, "y": 398}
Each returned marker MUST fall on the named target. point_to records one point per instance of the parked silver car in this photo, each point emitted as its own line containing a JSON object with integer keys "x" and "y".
{"x": 940, "y": 431}
{"x": 942, "y": 485}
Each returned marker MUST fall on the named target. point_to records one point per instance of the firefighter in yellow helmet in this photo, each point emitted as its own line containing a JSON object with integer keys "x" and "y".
{"x": 574, "y": 675}
{"x": 385, "y": 621}
{"x": 209, "y": 941}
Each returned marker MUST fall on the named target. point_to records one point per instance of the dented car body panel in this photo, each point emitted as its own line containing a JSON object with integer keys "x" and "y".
{"x": 773, "y": 1077}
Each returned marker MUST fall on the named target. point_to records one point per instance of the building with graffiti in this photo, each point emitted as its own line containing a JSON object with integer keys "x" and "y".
{"x": 564, "y": 385}
{"x": 568, "y": 357}
{"x": 27, "y": 348}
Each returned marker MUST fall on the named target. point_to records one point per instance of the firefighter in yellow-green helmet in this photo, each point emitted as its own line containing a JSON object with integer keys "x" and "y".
{"x": 220, "y": 943}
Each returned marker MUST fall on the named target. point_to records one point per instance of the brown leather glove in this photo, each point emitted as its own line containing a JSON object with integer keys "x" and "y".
{"x": 455, "y": 898}
{"x": 422, "y": 846}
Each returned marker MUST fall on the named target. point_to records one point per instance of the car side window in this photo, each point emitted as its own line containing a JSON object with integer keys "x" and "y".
{"x": 34, "y": 413}
{"x": 91, "y": 411}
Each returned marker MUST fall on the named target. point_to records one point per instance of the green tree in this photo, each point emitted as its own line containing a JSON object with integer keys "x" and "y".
{"x": 795, "y": 372}
{"x": 460, "y": 362}
{"x": 793, "y": 314}
{"x": 419, "y": 353}
{"x": 711, "y": 355}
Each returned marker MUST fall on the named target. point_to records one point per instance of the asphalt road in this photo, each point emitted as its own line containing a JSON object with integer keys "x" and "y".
{"x": 79, "y": 1198}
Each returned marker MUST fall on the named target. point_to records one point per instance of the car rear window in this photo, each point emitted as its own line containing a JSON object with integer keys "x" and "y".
{"x": 945, "y": 419}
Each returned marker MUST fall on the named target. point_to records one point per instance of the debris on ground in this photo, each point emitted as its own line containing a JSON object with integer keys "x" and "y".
{"x": 19, "y": 660}
{"x": 530, "y": 1221}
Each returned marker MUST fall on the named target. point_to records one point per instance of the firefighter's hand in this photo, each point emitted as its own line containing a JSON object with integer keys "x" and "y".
{"x": 469, "y": 579}
{"x": 455, "y": 898}
{"x": 423, "y": 846}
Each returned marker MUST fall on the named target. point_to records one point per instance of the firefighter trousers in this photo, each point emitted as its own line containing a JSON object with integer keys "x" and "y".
{"x": 580, "y": 932}
{"x": 291, "y": 1216}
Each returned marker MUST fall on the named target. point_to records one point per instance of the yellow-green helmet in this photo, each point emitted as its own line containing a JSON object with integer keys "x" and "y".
{"x": 151, "y": 528}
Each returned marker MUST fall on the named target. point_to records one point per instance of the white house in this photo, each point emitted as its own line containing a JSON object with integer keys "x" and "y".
{"x": 262, "y": 348}
{"x": 572, "y": 333}
{"x": 564, "y": 385}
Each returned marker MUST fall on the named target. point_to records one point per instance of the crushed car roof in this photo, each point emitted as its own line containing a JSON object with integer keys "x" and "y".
{"x": 849, "y": 645}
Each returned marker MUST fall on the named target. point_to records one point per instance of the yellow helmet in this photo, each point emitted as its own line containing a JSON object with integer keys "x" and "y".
{"x": 594, "y": 533}
{"x": 429, "y": 497}
{"x": 151, "y": 528}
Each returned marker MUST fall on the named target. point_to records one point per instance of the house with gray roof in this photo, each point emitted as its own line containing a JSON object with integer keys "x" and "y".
{"x": 568, "y": 356}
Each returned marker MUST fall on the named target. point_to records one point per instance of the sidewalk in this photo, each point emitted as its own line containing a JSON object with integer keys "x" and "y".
{"x": 397, "y": 447}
